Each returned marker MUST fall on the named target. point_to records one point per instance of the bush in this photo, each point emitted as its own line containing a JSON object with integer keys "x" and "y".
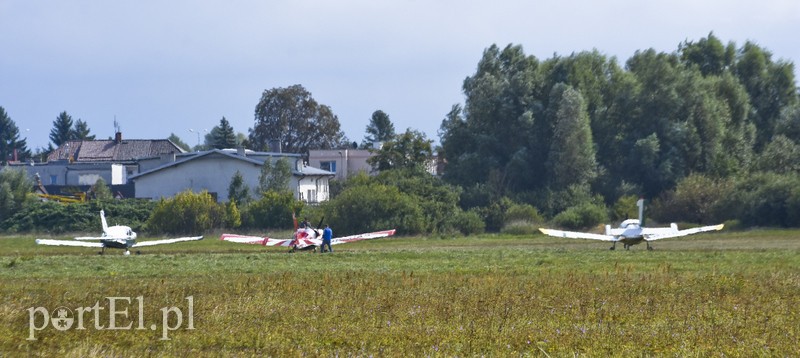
{"x": 186, "y": 213}
{"x": 520, "y": 227}
{"x": 693, "y": 200}
{"x": 469, "y": 222}
{"x": 374, "y": 207}
{"x": 581, "y": 216}
{"x": 764, "y": 199}
{"x": 273, "y": 211}
{"x": 524, "y": 213}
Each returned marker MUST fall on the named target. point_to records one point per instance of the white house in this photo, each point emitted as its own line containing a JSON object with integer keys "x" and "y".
{"x": 213, "y": 170}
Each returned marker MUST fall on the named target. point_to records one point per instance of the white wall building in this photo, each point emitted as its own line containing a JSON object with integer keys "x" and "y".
{"x": 213, "y": 170}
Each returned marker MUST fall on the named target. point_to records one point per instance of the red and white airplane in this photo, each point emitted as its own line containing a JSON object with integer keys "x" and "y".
{"x": 117, "y": 237}
{"x": 303, "y": 238}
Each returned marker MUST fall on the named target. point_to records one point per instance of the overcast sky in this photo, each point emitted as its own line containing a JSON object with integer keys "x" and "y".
{"x": 162, "y": 67}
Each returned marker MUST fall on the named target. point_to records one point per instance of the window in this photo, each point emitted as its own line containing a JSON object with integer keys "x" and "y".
{"x": 329, "y": 166}
{"x": 53, "y": 179}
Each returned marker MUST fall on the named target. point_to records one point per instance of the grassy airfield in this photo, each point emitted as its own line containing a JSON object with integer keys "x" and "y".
{"x": 733, "y": 294}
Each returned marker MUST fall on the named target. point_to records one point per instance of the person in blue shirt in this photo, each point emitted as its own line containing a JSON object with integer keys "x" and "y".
{"x": 327, "y": 235}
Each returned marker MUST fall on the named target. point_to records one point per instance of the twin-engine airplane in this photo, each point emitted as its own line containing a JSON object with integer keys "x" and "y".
{"x": 304, "y": 238}
{"x": 631, "y": 232}
{"x": 117, "y": 237}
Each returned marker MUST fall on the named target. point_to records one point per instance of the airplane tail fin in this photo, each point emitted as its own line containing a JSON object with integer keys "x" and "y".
{"x": 640, "y": 204}
{"x": 103, "y": 220}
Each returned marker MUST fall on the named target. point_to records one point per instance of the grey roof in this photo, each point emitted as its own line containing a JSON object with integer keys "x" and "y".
{"x": 252, "y": 158}
{"x": 127, "y": 150}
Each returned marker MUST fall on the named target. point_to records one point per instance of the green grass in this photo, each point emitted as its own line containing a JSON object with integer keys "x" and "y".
{"x": 734, "y": 294}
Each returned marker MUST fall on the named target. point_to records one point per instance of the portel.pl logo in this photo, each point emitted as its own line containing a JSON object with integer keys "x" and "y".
{"x": 116, "y": 313}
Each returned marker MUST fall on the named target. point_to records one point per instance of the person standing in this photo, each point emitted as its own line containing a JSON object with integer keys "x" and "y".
{"x": 327, "y": 235}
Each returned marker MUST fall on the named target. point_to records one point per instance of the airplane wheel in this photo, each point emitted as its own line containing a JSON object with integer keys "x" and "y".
{"x": 138, "y": 252}
{"x": 649, "y": 248}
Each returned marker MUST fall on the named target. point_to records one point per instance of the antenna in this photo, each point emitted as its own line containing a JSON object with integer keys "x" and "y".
{"x": 117, "y": 129}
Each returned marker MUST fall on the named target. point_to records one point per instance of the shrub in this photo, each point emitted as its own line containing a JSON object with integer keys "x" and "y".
{"x": 581, "y": 216}
{"x": 374, "y": 207}
{"x": 523, "y": 213}
{"x": 186, "y": 213}
{"x": 520, "y": 227}
{"x": 273, "y": 211}
{"x": 233, "y": 218}
{"x": 469, "y": 222}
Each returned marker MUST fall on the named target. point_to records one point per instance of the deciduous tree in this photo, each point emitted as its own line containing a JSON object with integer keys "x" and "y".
{"x": 292, "y": 118}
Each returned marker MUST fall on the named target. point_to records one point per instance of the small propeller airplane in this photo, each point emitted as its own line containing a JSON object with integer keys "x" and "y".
{"x": 117, "y": 237}
{"x": 304, "y": 238}
{"x": 632, "y": 232}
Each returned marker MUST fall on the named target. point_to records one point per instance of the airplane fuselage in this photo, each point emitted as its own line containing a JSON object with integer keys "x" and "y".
{"x": 118, "y": 243}
{"x": 632, "y": 234}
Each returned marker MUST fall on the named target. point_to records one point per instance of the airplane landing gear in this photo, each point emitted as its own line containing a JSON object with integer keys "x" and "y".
{"x": 127, "y": 253}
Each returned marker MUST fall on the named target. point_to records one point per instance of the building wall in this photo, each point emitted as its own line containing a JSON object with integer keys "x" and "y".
{"x": 75, "y": 174}
{"x": 209, "y": 174}
{"x": 312, "y": 189}
{"x": 347, "y": 161}
{"x": 214, "y": 173}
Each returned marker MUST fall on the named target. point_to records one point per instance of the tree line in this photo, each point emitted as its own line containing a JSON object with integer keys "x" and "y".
{"x": 707, "y": 131}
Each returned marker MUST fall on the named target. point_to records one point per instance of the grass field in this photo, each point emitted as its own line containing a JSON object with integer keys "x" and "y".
{"x": 726, "y": 294}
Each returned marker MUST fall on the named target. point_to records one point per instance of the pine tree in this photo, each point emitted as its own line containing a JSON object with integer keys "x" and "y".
{"x": 10, "y": 141}
{"x": 62, "y": 129}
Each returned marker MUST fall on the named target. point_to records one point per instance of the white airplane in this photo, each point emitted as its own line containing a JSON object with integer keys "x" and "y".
{"x": 304, "y": 238}
{"x": 631, "y": 232}
{"x": 117, "y": 237}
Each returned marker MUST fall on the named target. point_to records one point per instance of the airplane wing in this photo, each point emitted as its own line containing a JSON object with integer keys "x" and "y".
{"x": 366, "y": 236}
{"x": 68, "y": 243}
{"x": 577, "y": 235}
{"x": 166, "y": 241}
{"x": 244, "y": 239}
{"x": 685, "y": 232}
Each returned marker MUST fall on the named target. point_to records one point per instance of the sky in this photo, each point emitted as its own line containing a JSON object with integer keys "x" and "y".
{"x": 179, "y": 66}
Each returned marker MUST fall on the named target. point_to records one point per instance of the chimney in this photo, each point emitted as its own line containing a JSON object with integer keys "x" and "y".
{"x": 241, "y": 151}
{"x": 118, "y": 137}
